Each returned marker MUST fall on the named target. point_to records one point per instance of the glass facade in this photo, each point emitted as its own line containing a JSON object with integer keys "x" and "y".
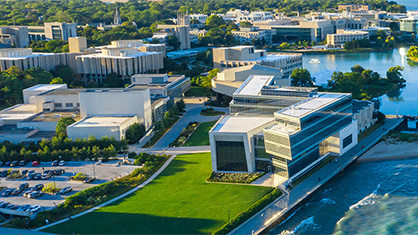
{"x": 230, "y": 156}
{"x": 347, "y": 141}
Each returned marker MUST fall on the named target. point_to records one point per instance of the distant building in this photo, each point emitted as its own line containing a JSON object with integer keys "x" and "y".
{"x": 116, "y": 19}
{"x": 409, "y": 25}
{"x": 24, "y": 59}
{"x": 251, "y": 34}
{"x": 14, "y": 36}
{"x": 200, "y": 17}
{"x": 237, "y": 56}
{"x": 52, "y": 31}
{"x": 181, "y": 31}
{"x": 343, "y": 36}
{"x": 353, "y": 7}
{"x": 77, "y": 44}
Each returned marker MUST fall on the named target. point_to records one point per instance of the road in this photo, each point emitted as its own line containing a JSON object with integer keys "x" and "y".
{"x": 290, "y": 199}
{"x": 192, "y": 115}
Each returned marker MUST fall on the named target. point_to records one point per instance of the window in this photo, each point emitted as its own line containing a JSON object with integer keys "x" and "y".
{"x": 347, "y": 141}
{"x": 69, "y": 105}
{"x": 58, "y": 105}
{"x": 231, "y": 156}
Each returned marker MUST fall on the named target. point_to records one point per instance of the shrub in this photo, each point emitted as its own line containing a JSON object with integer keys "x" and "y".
{"x": 16, "y": 175}
{"x": 50, "y": 188}
{"x": 234, "y": 177}
{"x": 79, "y": 176}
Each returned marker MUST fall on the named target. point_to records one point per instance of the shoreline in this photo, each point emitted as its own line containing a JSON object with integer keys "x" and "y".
{"x": 325, "y": 52}
{"x": 390, "y": 151}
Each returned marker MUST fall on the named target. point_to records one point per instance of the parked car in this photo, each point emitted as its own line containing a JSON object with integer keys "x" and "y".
{"x": 7, "y": 192}
{"x": 24, "y": 186}
{"x": 38, "y": 187}
{"x": 59, "y": 172}
{"x": 4, "y": 204}
{"x": 14, "y": 163}
{"x": 35, "y": 163}
{"x": 11, "y": 206}
{"x": 7, "y": 163}
{"x": 35, "y": 194}
{"x": 88, "y": 180}
{"x": 16, "y": 192}
{"x": 28, "y": 191}
{"x": 30, "y": 176}
{"x": 31, "y": 171}
{"x": 1, "y": 163}
{"x": 22, "y": 163}
{"x": 35, "y": 208}
{"x": 24, "y": 207}
{"x": 4, "y": 173}
{"x": 54, "y": 163}
{"x": 25, "y": 172}
{"x": 47, "y": 176}
{"x": 46, "y": 172}
{"x": 37, "y": 176}
{"x": 62, "y": 163}
{"x": 66, "y": 190}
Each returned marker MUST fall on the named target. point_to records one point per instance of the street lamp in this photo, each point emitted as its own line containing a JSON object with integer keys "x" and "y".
{"x": 94, "y": 170}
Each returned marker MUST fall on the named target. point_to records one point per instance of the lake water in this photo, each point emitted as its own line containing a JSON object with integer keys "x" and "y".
{"x": 411, "y": 5}
{"x": 402, "y": 101}
{"x": 370, "y": 198}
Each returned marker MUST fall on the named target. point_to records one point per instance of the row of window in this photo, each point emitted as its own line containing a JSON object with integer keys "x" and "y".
{"x": 67, "y": 105}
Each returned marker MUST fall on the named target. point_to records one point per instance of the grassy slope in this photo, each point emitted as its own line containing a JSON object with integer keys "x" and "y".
{"x": 178, "y": 201}
{"x": 201, "y": 135}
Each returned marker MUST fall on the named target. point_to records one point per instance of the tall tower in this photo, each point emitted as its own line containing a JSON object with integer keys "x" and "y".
{"x": 183, "y": 18}
{"x": 117, "y": 20}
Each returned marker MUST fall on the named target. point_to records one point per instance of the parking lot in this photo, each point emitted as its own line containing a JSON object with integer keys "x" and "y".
{"x": 104, "y": 172}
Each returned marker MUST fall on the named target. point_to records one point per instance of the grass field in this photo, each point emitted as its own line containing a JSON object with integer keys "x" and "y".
{"x": 201, "y": 135}
{"x": 198, "y": 92}
{"x": 178, "y": 201}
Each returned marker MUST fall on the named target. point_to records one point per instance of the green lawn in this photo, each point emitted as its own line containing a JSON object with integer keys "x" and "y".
{"x": 201, "y": 135}
{"x": 178, "y": 201}
{"x": 198, "y": 92}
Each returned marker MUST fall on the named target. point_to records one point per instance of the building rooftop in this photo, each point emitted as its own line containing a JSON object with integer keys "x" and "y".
{"x": 100, "y": 55}
{"x": 53, "y": 116}
{"x": 45, "y": 87}
{"x": 13, "y": 130}
{"x": 358, "y": 105}
{"x": 254, "y": 84}
{"x": 239, "y": 124}
{"x": 18, "y": 112}
{"x": 307, "y": 106}
{"x": 63, "y": 92}
{"x": 108, "y": 121}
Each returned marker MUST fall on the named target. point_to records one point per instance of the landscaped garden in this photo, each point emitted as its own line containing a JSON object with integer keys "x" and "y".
{"x": 200, "y": 136}
{"x": 179, "y": 201}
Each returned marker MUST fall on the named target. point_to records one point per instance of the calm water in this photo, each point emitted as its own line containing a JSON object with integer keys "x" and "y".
{"x": 402, "y": 101}
{"x": 370, "y": 198}
{"x": 411, "y": 5}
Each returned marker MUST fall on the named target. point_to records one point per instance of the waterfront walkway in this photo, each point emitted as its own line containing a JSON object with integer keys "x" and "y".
{"x": 265, "y": 220}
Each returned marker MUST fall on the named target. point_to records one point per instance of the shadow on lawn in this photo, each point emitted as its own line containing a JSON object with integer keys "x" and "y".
{"x": 123, "y": 223}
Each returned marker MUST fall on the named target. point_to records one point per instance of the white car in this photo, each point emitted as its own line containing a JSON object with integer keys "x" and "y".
{"x": 62, "y": 163}
{"x": 35, "y": 208}
{"x": 66, "y": 190}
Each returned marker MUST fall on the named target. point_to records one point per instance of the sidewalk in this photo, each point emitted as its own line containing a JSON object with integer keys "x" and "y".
{"x": 264, "y": 220}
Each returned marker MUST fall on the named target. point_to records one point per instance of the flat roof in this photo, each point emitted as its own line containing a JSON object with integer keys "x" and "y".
{"x": 101, "y": 121}
{"x": 307, "y": 106}
{"x": 13, "y": 130}
{"x": 53, "y": 116}
{"x": 63, "y": 92}
{"x": 240, "y": 124}
{"x": 100, "y": 55}
{"x": 18, "y": 112}
{"x": 254, "y": 84}
{"x": 45, "y": 87}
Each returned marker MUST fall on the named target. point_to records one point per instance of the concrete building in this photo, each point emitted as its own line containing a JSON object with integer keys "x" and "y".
{"x": 120, "y": 59}
{"x": 364, "y": 113}
{"x": 353, "y": 7}
{"x": 77, "y": 44}
{"x": 237, "y": 56}
{"x": 200, "y": 17}
{"x": 343, "y": 36}
{"x": 181, "y": 31}
{"x": 409, "y": 25}
{"x": 24, "y": 59}
{"x": 93, "y": 110}
{"x": 286, "y": 130}
{"x": 227, "y": 81}
{"x": 14, "y": 36}
{"x": 251, "y": 34}
{"x": 52, "y": 31}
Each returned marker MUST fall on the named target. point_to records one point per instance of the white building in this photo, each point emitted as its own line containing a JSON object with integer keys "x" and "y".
{"x": 343, "y": 36}
{"x": 251, "y": 34}
{"x": 200, "y": 17}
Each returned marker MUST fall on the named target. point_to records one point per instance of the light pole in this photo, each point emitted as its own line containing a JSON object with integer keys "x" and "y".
{"x": 94, "y": 170}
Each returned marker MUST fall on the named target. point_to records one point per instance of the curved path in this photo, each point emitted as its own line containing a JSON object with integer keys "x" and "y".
{"x": 114, "y": 199}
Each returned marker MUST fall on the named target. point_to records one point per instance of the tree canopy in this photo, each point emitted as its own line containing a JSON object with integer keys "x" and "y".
{"x": 302, "y": 77}
{"x": 63, "y": 123}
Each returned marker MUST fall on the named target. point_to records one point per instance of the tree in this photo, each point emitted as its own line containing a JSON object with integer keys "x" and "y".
{"x": 57, "y": 81}
{"x": 134, "y": 133}
{"x": 302, "y": 78}
{"x": 63, "y": 123}
{"x": 394, "y": 75}
{"x": 245, "y": 24}
{"x": 172, "y": 41}
{"x": 65, "y": 72}
{"x": 412, "y": 52}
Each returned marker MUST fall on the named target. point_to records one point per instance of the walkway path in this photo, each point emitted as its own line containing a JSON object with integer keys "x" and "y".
{"x": 264, "y": 220}
{"x": 192, "y": 115}
{"x": 116, "y": 198}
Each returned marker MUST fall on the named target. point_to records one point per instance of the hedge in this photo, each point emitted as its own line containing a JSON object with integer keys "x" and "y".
{"x": 248, "y": 213}
{"x": 244, "y": 178}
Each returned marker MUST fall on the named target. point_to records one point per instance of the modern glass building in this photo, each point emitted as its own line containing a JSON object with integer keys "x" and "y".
{"x": 281, "y": 129}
